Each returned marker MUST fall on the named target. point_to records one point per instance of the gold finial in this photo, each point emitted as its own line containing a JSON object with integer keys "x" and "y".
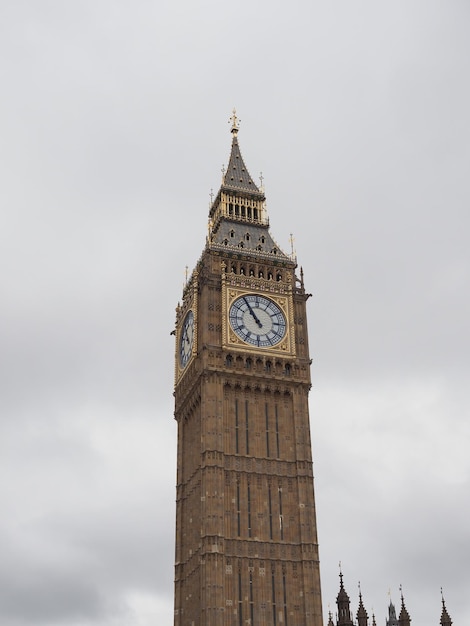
{"x": 235, "y": 121}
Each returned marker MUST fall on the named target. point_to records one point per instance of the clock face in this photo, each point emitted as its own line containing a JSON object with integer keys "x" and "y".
{"x": 257, "y": 320}
{"x": 187, "y": 338}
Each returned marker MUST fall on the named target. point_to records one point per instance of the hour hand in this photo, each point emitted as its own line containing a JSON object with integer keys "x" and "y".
{"x": 253, "y": 314}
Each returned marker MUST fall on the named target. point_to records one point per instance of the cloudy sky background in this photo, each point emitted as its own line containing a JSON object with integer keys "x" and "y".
{"x": 113, "y": 126}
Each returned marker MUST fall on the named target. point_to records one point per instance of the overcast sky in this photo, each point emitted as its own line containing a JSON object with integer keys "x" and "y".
{"x": 113, "y": 130}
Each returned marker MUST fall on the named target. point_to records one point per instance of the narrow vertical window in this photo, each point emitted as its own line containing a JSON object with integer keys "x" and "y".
{"x": 267, "y": 428}
{"x": 238, "y": 508}
{"x": 273, "y": 597}
{"x": 284, "y": 588}
{"x": 277, "y": 431}
{"x": 236, "y": 427}
{"x": 270, "y": 505}
{"x": 240, "y": 615}
{"x": 249, "y": 509}
{"x": 251, "y": 600}
{"x": 246, "y": 428}
{"x": 281, "y": 521}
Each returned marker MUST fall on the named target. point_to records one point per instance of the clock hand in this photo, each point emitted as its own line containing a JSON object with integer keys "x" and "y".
{"x": 253, "y": 314}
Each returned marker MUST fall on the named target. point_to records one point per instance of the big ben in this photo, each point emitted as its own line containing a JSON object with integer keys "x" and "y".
{"x": 246, "y": 534}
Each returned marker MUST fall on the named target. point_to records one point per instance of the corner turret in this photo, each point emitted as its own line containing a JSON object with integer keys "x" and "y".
{"x": 342, "y": 601}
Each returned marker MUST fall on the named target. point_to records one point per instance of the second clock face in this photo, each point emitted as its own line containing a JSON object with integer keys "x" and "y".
{"x": 257, "y": 320}
{"x": 187, "y": 338}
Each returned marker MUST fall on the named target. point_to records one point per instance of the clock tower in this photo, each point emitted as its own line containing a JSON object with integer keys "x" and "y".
{"x": 246, "y": 534}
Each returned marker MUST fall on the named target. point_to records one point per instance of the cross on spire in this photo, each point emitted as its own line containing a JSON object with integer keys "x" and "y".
{"x": 235, "y": 121}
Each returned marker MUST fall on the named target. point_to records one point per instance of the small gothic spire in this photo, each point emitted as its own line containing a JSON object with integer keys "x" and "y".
{"x": 342, "y": 602}
{"x": 445, "y": 619}
{"x": 404, "y": 618}
{"x": 392, "y": 616}
{"x": 361, "y": 615}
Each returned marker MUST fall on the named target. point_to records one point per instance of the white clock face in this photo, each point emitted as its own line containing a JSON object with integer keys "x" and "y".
{"x": 257, "y": 320}
{"x": 187, "y": 338}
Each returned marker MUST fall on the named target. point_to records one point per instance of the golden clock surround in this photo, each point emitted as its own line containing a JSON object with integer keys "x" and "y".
{"x": 190, "y": 303}
{"x": 235, "y": 286}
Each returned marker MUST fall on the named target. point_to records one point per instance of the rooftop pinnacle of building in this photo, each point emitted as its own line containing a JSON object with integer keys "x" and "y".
{"x": 236, "y": 177}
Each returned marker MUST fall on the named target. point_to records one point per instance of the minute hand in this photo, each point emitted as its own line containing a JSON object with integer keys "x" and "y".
{"x": 253, "y": 314}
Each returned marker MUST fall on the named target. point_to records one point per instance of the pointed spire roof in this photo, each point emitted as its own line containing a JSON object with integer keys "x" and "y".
{"x": 404, "y": 618}
{"x": 392, "y": 615}
{"x": 238, "y": 218}
{"x": 342, "y": 601}
{"x": 236, "y": 176}
{"x": 361, "y": 615}
{"x": 445, "y": 619}
{"x": 342, "y": 595}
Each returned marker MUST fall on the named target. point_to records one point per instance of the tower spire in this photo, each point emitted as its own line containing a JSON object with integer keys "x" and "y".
{"x": 404, "y": 618}
{"x": 392, "y": 615}
{"x": 342, "y": 601}
{"x": 361, "y": 616}
{"x": 445, "y": 619}
{"x": 236, "y": 177}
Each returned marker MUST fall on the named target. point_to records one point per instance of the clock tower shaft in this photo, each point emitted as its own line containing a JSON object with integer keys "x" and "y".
{"x": 246, "y": 535}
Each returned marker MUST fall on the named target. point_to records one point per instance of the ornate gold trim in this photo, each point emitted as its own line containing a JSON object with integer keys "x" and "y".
{"x": 190, "y": 303}
{"x": 280, "y": 292}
